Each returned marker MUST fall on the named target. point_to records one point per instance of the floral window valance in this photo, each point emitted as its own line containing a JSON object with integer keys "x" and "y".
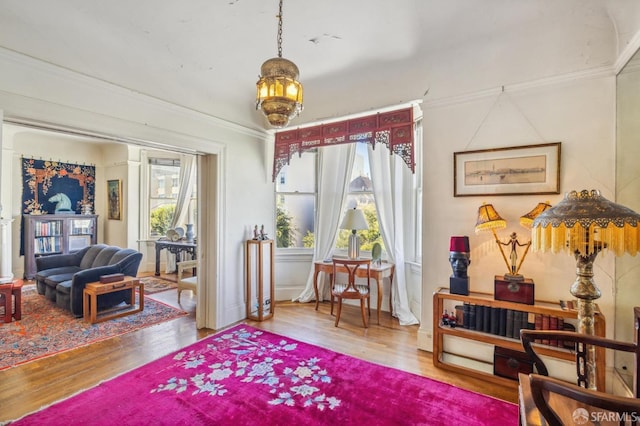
{"x": 393, "y": 129}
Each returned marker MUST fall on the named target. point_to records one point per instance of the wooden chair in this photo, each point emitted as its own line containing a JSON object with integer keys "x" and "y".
{"x": 187, "y": 283}
{"x": 557, "y": 401}
{"x": 349, "y": 289}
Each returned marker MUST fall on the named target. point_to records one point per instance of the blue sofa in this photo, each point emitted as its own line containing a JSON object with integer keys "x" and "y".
{"x": 62, "y": 278}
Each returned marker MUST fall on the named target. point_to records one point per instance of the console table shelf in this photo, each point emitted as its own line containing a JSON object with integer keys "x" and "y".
{"x": 443, "y": 299}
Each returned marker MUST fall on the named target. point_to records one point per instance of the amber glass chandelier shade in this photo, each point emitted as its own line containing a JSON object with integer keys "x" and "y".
{"x": 584, "y": 223}
{"x": 279, "y": 93}
{"x": 489, "y": 219}
{"x": 527, "y": 219}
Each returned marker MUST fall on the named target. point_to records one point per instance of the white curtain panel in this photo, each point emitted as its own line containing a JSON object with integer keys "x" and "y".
{"x": 187, "y": 179}
{"x": 392, "y": 188}
{"x": 334, "y": 172}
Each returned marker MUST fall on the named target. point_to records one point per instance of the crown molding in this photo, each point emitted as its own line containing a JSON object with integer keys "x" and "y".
{"x": 627, "y": 53}
{"x": 563, "y": 79}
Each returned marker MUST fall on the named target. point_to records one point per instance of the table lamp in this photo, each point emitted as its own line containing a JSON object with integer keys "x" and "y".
{"x": 583, "y": 224}
{"x": 489, "y": 219}
{"x": 354, "y": 220}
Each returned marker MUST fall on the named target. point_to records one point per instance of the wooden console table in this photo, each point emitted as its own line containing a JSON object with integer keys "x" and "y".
{"x": 93, "y": 290}
{"x": 174, "y": 247}
{"x": 378, "y": 272}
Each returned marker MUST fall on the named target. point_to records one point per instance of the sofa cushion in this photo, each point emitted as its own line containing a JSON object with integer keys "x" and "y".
{"x": 54, "y": 280}
{"x": 43, "y": 275}
{"x": 121, "y": 254}
{"x": 64, "y": 287}
{"x": 90, "y": 255}
{"x": 105, "y": 256}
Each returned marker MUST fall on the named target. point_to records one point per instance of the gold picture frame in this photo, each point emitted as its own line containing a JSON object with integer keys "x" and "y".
{"x": 519, "y": 170}
{"x": 114, "y": 199}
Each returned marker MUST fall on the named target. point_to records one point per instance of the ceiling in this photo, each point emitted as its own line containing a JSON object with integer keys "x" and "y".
{"x": 353, "y": 55}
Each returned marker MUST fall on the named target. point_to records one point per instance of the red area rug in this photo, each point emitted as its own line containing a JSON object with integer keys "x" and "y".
{"x": 245, "y": 376}
{"x": 157, "y": 284}
{"x": 45, "y": 329}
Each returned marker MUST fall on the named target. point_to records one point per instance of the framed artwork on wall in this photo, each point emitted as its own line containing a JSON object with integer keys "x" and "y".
{"x": 114, "y": 199}
{"x": 529, "y": 169}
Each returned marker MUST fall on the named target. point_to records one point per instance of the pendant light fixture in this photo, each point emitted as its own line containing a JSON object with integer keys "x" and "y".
{"x": 279, "y": 93}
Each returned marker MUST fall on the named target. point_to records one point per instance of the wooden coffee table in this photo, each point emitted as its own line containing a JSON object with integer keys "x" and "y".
{"x": 95, "y": 289}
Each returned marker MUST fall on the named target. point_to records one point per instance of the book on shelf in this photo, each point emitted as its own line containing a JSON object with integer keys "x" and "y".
{"x": 553, "y": 325}
{"x": 509, "y": 323}
{"x": 517, "y": 323}
{"x": 479, "y": 318}
{"x": 503, "y": 322}
{"x": 524, "y": 323}
{"x": 545, "y": 326}
{"x": 560, "y": 343}
{"x": 466, "y": 314}
{"x": 495, "y": 320}
{"x": 486, "y": 322}
{"x": 472, "y": 317}
{"x": 538, "y": 326}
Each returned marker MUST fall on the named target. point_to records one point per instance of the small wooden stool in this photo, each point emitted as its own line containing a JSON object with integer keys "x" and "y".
{"x": 6, "y": 291}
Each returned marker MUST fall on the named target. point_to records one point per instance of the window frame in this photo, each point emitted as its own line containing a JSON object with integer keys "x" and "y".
{"x": 277, "y": 194}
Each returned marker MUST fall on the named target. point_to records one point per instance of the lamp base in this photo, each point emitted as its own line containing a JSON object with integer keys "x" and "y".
{"x": 586, "y": 291}
{"x": 513, "y": 277}
{"x": 354, "y": 246}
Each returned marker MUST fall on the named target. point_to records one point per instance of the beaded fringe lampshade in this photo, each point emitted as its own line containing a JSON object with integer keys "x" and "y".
{"x": 583, "y": 224}
{"x": 586, "y": 222}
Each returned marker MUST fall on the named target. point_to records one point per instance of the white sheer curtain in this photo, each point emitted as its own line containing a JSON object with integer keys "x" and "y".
{"x": 187, "y": 179}
{"x": 334, "y": 172}
{"x": 392, "y": 188}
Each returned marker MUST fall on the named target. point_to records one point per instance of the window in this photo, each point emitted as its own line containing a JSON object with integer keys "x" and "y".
{"x": 295, "y": 202}
{"x": 361, "y": 196}
{"x": 164, "y": 185}
{"x": 296, "y": 197}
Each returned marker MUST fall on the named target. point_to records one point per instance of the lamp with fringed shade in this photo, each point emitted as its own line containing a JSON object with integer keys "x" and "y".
{"x": 489, "y": 220}
{"x": 583, "y": 224}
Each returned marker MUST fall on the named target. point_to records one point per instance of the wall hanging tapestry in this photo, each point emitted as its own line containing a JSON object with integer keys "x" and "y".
{"x": 246, "y": 376}
{"x": 393, "y": 129}
{"x": 50, "y": 187}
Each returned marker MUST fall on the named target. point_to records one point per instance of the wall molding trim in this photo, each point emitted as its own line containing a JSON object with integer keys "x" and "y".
{"x": 600, "y": 72}
{"x": 627, "y": 53}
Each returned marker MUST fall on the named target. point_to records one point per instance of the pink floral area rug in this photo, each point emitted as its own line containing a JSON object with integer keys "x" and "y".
{"x": 246, "y": 376}
{"x": 45, "y": 329}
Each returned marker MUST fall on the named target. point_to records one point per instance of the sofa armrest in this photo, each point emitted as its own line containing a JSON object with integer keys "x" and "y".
{"x": 86, "y": 276}
{"x": 60, "y": 260}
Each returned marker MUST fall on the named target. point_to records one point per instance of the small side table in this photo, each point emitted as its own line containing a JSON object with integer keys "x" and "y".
{"x": 11, "y": 292}
{"x": 95, "y": 289}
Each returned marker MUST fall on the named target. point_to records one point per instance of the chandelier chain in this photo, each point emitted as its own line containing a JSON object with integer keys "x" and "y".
{"x": 280, "y": 31}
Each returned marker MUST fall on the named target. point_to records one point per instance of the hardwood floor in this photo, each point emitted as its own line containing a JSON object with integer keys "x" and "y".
{"x": 39, "y": 383}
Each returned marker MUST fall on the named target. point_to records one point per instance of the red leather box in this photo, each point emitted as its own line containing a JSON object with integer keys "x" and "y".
{"x": 508, "y": 363}
{"x": 513, "y": 291}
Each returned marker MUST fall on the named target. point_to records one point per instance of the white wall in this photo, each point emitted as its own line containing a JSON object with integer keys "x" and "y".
{"x": 579, "y": 113}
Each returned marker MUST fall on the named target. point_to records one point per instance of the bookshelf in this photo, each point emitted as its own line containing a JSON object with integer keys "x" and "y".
{"x": 49, "y": 234}
{"x": 463, "y": 357}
